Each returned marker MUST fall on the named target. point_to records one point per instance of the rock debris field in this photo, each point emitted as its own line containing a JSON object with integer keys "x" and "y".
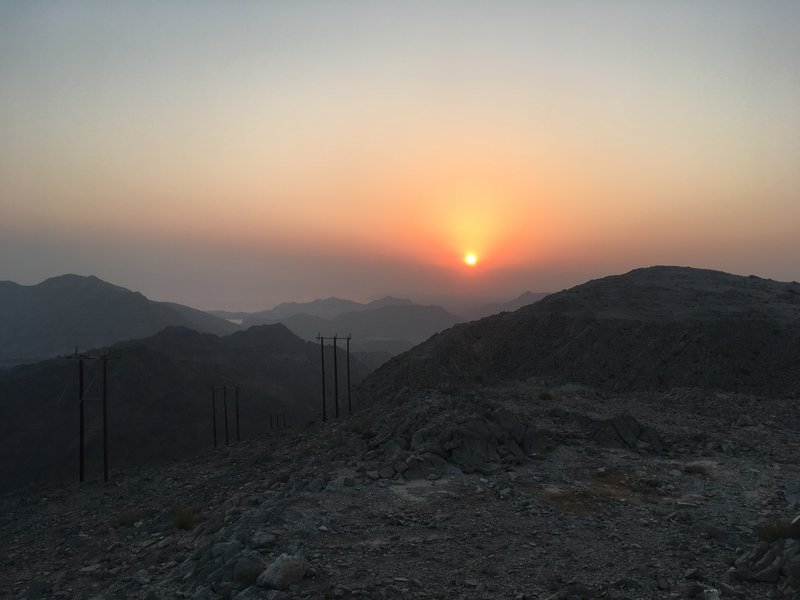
{"x": 515, "y": 491}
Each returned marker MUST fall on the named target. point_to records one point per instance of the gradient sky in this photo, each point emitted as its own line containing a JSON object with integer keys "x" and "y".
{"x": 238, "y": 154}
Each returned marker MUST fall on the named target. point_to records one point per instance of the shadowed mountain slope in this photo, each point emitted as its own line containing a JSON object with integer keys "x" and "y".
{"x": 523, "y": 299}
{"x": 159, "y": 399}
{"x": 51, "y": 318}
{"x": 653, "y": 328}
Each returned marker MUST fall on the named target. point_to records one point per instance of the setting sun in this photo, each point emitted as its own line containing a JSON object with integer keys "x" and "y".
{"x": 470, "y": 259}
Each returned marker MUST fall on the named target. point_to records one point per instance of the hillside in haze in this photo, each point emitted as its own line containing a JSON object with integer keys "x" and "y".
{"x": 321, "y": 307}
{"x": 493, "y": 308}
{"x": 54, "y": 316}
{"x": 387, "y": 329}
{"x": 159, "y": 399}
{"x": 652, "y": 328}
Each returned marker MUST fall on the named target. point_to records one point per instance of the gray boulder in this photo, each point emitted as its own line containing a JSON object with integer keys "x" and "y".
{"x": 283, "y": 572}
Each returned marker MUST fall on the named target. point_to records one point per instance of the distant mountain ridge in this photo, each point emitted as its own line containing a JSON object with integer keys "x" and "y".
{"x": 387, "y": 328}
{"x": 52, "y": 317}
{"x": 328, "y": 308}
{"x": 652, "y": 328}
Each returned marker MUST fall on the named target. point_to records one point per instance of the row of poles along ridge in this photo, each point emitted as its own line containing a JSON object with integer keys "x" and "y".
{"x": 276, "y": 421}
{"x": 80, "y": 357}
{"x": 335, "y": 342}
{"x": 82, "y": 391}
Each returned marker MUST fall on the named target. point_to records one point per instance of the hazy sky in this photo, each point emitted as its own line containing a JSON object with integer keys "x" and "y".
{"x": 237, "y": 154}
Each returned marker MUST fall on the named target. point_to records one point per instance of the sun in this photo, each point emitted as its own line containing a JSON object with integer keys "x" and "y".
{"x": 470, "y": 259}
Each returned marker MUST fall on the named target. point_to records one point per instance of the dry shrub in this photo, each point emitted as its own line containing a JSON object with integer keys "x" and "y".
{"x": 700, "y": 469}
{"x": 183, "y": 517}
{"x": 129, "y": 517}
{"x": 777, "y": 529}
{"x": 581, "y": 502}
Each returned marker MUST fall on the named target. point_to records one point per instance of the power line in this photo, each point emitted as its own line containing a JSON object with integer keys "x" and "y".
{"x": 80, "y": 357}
{"x": 335, "y": 343}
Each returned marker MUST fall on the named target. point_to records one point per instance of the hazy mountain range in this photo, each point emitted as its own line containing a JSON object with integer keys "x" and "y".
{"x": 51, "y": 318}
{"x": 322, "y": 307}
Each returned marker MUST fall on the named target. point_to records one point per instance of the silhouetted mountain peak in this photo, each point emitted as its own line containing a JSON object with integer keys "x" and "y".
{"x": 71, "y": 281}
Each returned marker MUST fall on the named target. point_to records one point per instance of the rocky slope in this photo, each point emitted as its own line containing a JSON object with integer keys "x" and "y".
{"x": 509, "y": 492}
{"x": 652, "y": 328}
{"x": 508, "y": 487}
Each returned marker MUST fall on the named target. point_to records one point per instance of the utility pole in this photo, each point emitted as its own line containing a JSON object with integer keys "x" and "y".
{"x": 81, "y": 413}
{"x": 322, "y": 362}
{"x": 335, "y": 339}
{"x": 225, "y": 410}
{"x": 238, "y": 437}
{"x": 81, "y": 437}
{"x": 349, "y": 400}
{"x": 335, "y": 376}
{"x": 214, "y": 415}
{"x": 105, "y": 419}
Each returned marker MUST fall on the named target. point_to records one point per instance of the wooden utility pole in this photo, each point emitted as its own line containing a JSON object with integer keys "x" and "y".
{"x": 335, "y": 339}
{"x": 349, "y": 399}
{"x": 105, "y": 419}
{"x": 238, "y": 437}
{"x": 322, "y": 362}
{"x": 214, "y": 415}
{"x": 335, "y": 376}
{"x": 81, "y": 413}
{"x": 81, "y": 436}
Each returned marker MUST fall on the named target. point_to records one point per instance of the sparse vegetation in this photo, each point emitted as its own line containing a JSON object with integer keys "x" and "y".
{"x": 183, "y": 517}
{"x": 701, "y": 469}
{"x": 547, "y": 396}
{"x": 777, "y": 529}
{"x": 128, "y": 518}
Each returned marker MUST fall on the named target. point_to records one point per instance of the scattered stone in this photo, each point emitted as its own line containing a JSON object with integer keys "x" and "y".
{"x": 283, "y": 572}
{"x": 248, "y": 567}
{"x": 625, "y": 432}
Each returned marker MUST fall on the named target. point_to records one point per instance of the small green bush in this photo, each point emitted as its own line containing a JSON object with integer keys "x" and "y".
{"x": 183, "y": 517}
{"x": 547, "y": 396}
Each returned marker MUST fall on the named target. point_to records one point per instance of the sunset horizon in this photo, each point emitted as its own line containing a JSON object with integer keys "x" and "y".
{"x": 238, "y": 156}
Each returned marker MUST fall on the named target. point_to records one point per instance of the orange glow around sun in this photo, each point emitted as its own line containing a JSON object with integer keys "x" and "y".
{"x": 470, "y": 259}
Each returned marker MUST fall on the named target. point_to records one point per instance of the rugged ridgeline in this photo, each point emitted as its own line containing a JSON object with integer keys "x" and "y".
{"x": 159, "y": 404}
{"x": 327, "y": 308}
{"x": 389, "y": 329}
{"x": 479, "y": 468}
{"x": 51, "y": 318}
{"x": 653, "y": 328}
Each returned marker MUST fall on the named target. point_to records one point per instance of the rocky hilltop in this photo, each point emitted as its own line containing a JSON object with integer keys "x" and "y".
{"x": 505, "y": 486}
{"x": 653, "y": 328}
